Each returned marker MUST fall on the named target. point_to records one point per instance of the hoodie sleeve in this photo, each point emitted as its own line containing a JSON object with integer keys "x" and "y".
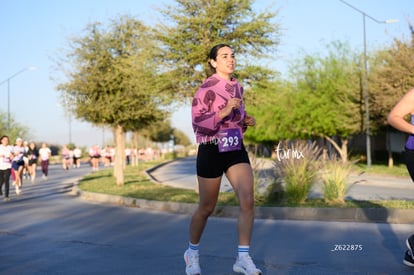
{"x": 205, "y": 117}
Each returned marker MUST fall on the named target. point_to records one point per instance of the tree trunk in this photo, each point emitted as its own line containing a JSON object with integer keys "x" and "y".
{"x": 388, "y": 145}
{"x": 342, "y": 151}
{"x": 135, "y": 138}
{"x": 119, "y": 155}
{"x": 325, "y": 153}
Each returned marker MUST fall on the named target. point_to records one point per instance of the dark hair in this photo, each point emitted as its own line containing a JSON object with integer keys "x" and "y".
{"x": 214, "y": 51}
{"x": 1, "y": 139}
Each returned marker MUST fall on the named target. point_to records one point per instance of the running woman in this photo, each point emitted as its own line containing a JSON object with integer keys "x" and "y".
{"x": 33, "y": 156}
{"x": 396, "y": 119}
{"x": 65, "y": 157}
{"x": 6, "y": 157}
{"x": 26, "y": 174}
{"x": 18, "y": 164}
{"x": 77, "y": 154}
{"x": 219, "y": 121}
{"x": 95, "y": 155}
{"x": 44, "y": 155}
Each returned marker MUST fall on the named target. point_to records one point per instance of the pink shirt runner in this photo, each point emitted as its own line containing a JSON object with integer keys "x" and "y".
{"x": 211, "y": 97}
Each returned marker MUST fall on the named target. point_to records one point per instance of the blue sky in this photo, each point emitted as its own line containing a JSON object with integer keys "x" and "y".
{"x": 32, "y": 32}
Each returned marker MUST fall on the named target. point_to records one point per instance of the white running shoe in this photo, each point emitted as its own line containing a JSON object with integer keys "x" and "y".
{"x": 246, "y": 266}
{"x": 192, "y": 266}
{"x": 17, "y": 190}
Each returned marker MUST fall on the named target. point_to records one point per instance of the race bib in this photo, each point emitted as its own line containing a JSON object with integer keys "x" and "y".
{"x": 5, "y": 159}
{"x": 229, "y": 140}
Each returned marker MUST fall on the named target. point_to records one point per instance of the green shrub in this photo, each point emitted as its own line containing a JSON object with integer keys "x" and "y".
{"x": 334, "y": 178}
{"x": 296, "y": 168}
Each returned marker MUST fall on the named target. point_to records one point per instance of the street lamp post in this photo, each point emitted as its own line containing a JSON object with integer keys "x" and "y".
{"x": 8, "y": 90}
{"x": 70, "y": 128}
{"x": 366, "y": 88}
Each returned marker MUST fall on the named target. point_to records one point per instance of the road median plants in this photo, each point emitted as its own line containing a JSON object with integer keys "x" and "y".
{"x": 297, "y": 165}
{"x": 139, "y": 185}
{"x": 334, "y": 177}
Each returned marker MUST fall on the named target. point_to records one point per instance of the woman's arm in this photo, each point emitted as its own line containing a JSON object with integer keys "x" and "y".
{"x": 403, "y": 108}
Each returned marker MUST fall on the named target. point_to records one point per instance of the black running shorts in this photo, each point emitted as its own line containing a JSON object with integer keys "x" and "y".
{"x": 409, "y": 161}
{"x": 212, "y": 164}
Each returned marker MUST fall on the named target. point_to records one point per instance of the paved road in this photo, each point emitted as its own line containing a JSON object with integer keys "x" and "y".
{"x": 47, "y": 231}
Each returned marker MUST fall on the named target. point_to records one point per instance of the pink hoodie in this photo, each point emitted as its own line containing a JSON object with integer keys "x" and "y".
{"x": 211, "y": 97}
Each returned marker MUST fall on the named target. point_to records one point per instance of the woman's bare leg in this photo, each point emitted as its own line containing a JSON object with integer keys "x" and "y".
{"x": 241, "y": 178}
{"x": 208, "y": 192}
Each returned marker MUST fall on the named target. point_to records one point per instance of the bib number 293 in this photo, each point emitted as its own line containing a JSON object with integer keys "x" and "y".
{"x": 229, "y": 140}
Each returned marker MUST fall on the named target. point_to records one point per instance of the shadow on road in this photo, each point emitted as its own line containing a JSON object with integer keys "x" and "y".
{"x": 378, "y": 214}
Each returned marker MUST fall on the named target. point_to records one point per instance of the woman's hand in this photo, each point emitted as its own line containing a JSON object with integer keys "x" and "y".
{"x": 233, "y": 103}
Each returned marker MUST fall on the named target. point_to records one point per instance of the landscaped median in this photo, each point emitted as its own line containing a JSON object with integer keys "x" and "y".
{"x": 141, "y": 192}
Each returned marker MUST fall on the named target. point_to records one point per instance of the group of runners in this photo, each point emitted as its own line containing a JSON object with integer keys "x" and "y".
{"x": 71, "y": 158}
{"x": 106, "y": 155}
{"x": 19, "y": 161}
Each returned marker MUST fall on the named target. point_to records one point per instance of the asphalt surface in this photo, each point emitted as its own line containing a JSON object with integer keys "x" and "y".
{"x": 50, "y": 230}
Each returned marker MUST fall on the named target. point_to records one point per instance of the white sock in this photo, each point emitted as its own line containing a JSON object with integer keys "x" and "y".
{"x": 193, "y": 248}
{"x": 243, "y": 250}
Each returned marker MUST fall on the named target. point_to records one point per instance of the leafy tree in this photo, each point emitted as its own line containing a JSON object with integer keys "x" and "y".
{"x": 328, "y": 97}
{"x": 271, "y": 105}
{"x": 110, "y": 80}
{"x": 181, "y": 138}
{"x": 390, "y": 78}
{"x": 392, "y": 75}
{"x": 324, "y": 102}
{"x": 162, "y": 131}
{"x": 193, "y": 27}
{"x": 16, "y": 129}
{"x": 158, "y": 132}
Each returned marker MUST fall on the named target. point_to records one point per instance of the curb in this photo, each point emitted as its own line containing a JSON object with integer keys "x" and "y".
{"x": 365, "y": 215}
{"x": 148, "y": 171}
